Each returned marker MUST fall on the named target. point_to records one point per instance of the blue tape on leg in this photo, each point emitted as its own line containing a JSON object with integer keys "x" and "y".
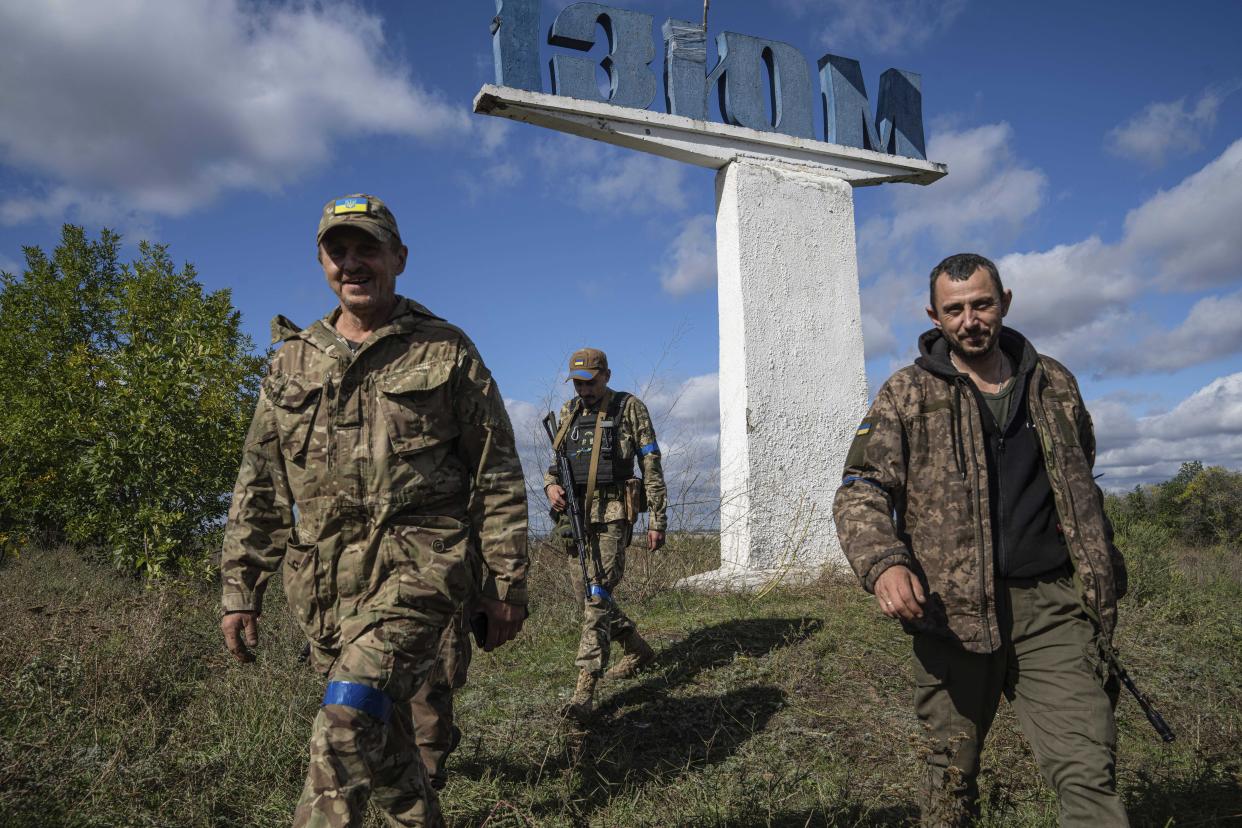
{"x": 360, "y": 697}
{"x": 598, "y": 591}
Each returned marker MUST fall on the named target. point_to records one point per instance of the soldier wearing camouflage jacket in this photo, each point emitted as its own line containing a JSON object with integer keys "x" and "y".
{"x": 969, "y": 509}
{"x": 381, "y": 478}
{"x": 626, "y": 436}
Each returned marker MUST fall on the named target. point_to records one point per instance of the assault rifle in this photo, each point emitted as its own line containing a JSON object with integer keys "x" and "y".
{"x": 1153, "y": 715}
{"x": 575, "y": 511}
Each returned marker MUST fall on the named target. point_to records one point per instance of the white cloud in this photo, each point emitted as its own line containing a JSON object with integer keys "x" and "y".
{"x": 1074, "y": 300}
{"x": 882, "y": 26}
{"x": 1071, "y": 285}
{"x": 1167, "y": 127}
{"x": 163, "y": 107}
{"x": 1212, "y": 330}
{"x": 1206, "y": 426}
{"x": 986, "y": 198}
{"x": 690, "y": 262}
{"x": 602, "y": 177}
{"x": 1190, "y": 232}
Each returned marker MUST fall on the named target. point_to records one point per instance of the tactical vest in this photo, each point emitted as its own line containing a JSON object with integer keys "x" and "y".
{"x": 613, "y": 468}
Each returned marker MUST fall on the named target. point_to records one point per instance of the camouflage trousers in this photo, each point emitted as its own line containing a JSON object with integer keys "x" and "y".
{"x": 603, "y": 621}
{"x": 355, "y": 756}
{"x": 432, "y": 706}
{"x": 1052, "y": 672}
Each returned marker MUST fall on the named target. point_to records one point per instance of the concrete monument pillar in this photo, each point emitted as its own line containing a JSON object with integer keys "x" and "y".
{"x": 792, "y": 383}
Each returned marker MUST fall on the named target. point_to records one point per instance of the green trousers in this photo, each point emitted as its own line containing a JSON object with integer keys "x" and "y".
{"x": 1051, "y": 671}
{"x": 603, "y": 621}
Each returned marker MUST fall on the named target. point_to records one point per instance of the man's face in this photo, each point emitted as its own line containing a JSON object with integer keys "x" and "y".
{"x": 969, "y": 313}
{"x": 361, "y": 270}
{"x": 592, "y": 391}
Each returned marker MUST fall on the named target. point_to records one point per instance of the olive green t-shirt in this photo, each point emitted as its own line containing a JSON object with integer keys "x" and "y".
{"x": 999, "y": 402}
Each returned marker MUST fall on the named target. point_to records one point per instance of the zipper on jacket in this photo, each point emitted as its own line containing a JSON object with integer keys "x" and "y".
{"x": 1043, "y": 426}
{"x": 1001, "y": 557}
{"x": 959, "y": 450}
{"x": 981, "y": 543}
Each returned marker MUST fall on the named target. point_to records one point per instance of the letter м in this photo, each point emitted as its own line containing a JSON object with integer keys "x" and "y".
{"x": 847, "y": 113}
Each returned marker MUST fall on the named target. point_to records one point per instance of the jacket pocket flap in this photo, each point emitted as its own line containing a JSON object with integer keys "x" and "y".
{"x": 290, "y": 392}
{"x": 423, "y": 377}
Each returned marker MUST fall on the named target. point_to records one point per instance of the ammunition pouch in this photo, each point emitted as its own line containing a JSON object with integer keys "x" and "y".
{"x": 635, "y": 499}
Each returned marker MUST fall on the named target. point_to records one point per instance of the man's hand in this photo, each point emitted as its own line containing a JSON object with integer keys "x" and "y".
{"x": 504, "y": 621}
{"x": 241, "y": 630}
{"x": 900, "y": 594}
{"x": 556, "y": 497}
{"x": 655, "y": 540}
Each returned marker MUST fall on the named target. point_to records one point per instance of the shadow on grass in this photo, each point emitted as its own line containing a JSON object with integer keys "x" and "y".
{"x": 1213, "y": 796}
{"x": 645, "y": 736}
{"x": 854, "y": 816}
{"x": 710, "y": 648}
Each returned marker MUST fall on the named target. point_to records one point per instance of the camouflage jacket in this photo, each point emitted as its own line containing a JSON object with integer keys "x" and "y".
{"x": 915, "y": 493}
{"x": 638, "y": 437}
{"x": 386, "y": 480}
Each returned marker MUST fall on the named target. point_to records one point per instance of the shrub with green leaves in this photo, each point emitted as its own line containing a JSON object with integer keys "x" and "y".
{"x": 127, "y": 391}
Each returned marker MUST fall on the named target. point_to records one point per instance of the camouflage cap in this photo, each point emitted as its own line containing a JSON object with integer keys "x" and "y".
{"x": 586, "y": 363}
{"x": 366, "y": 212}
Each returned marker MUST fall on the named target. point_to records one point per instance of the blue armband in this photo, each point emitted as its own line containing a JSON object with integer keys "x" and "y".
{"x": 855, "y": 478}
{"x": 598, "y": 591}
{"x": 650, "y": 448}
{"x": 360, "y": 697}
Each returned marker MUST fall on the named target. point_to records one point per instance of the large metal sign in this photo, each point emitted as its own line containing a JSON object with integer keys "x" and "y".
{"x": 759, "y": 83}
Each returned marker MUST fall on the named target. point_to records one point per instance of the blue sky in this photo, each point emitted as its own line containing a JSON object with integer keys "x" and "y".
{"x": 1094, "y": 152}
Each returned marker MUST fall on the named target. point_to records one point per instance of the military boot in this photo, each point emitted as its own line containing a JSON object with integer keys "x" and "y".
{"x": 638, "y": 654}
{"x": 581, "y": 703}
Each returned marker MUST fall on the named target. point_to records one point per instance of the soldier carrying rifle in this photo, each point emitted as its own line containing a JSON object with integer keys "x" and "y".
{"x": 601, "y": 432}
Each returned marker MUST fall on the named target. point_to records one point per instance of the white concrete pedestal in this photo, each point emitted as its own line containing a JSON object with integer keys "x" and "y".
{"x": 792, "y": 383}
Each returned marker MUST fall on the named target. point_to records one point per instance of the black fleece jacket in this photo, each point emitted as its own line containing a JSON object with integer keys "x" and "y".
{"x": 1026, "y": 537}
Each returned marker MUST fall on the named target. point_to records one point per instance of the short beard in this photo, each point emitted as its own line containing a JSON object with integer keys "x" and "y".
{"x": 956, "y": 347}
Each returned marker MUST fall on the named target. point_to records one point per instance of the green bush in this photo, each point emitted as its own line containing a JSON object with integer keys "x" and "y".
{"x": 127, "y": 393}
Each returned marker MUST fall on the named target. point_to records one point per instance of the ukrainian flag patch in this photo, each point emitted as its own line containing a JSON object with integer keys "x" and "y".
{"x": 350, "y": 205}
{"x": 864, "y": 428}
{"x": 578, "y": 363}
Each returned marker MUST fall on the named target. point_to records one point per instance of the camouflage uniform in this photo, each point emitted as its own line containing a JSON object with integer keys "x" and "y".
{"x": 432, "y": 706}
{"x": 916, "y": 494}
{"x": 401, "y": 463}
{"x": 610, "y": 531}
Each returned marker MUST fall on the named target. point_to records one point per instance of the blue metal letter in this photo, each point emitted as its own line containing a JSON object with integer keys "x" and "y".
{"x": 515, "y": 44}
{"x": 630, "y": 51}
{"x": 900, "y": 112}
{"x": 847, "y": 114}
{"x": 741, "y": 78}
{"x": 685, "y": 68}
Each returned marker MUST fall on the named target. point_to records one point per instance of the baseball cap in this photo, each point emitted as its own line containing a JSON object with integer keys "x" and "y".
{"x": 366, "y": 212}
{"x": 586, "y": 363}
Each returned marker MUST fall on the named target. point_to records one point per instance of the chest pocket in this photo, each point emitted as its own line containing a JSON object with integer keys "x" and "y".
{"x": 417, "y": 406}
{"x": 1064, "y": 414}
{"x": 296, "y": 403}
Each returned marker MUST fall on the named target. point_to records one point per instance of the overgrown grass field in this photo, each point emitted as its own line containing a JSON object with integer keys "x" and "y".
{"x": 119, "y": 706}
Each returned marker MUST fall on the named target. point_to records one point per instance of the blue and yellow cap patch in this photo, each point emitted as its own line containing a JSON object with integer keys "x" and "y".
{"x": 351, "y": 205}
{"x": 864, "y": 428}
{"x": 360, "y": 210}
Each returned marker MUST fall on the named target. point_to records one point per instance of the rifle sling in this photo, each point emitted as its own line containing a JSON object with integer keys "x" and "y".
{"x": 559, "y": 439}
